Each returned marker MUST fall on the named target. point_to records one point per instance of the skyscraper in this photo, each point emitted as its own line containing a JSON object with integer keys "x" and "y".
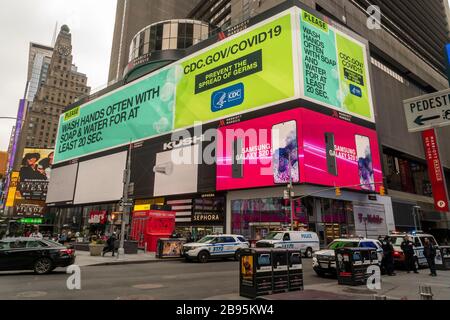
{"x": 134, "y": 15}
{"x": 54, "y": 83}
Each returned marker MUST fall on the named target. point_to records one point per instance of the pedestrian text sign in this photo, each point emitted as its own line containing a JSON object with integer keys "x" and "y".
{"x": 428, "y": 111}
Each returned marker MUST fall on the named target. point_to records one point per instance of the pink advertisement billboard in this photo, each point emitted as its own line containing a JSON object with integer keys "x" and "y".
{"x": 299, "y": 145}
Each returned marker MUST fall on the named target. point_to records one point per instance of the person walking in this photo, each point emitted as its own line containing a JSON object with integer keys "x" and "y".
{"x": 408, "y": 250}
{"x": 36, "y": 234}
{"x": 110, "y": 244}
{"x": 388, "y": 258}
{"x": 429, "y": 251}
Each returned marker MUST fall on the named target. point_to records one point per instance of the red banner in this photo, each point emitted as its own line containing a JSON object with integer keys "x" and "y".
{"x": 435, "y": 170}
{"x": 98, "y": 217}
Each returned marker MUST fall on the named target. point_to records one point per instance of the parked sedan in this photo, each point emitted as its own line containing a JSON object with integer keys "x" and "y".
{"x": 42, "y": 256}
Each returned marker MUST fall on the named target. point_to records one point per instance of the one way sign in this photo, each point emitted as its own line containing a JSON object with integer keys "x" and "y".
{"x": 428, "y": 111}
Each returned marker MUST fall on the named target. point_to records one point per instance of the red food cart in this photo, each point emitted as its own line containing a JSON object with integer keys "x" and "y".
{"x": 150, "y": 226}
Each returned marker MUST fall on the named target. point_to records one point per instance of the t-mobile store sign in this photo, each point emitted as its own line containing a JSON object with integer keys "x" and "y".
{"x": 302, "y": 145}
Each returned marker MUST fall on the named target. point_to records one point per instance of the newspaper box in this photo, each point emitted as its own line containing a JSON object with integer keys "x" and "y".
{"x": 352, "y": 265}
{"x": 442, "y": 259}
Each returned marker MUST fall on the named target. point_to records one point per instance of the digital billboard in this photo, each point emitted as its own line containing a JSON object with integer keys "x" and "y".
{"x": 35, "y": 173}
{"x": 137, "y": 111}
{"x": 291, "y": 56}
{"x": 249, "y": 70}
{"x": 299, "y": 145}
{"x": 335, "y": 68}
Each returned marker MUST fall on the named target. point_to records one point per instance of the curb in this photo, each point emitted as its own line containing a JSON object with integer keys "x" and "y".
{"x": 118, "y": 263}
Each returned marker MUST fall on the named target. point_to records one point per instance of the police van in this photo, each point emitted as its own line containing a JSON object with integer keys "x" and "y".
{"x": 307, "y": 242}
{"x": 215, "y": 246}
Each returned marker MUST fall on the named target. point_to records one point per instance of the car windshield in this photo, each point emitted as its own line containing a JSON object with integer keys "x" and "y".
{"x": 397, "y": 241}
{"x": 207, "y": 239}
{"x": 342, "y": 244}
{"x": 275, "y": 236}
{"x": 51, "y": 243}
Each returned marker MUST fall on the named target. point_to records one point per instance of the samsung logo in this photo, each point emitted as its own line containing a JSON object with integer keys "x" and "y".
{"x": 183, "y": 143}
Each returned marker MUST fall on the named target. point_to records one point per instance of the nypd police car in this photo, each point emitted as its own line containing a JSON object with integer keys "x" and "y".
{"x": 215, "y": 246}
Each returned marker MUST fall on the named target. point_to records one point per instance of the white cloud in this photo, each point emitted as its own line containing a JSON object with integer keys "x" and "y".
{"x": 24, "y": 21}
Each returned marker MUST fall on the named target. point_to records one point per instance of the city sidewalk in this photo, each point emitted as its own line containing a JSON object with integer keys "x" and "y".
{"x": 84, "y": 259}
{"x": 403, "y": 286}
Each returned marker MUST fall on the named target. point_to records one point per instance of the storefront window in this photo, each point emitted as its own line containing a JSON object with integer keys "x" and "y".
{"x": 330, "y": 219}
{"x": 255, "y": 218}
{"x": 406, "y": 175}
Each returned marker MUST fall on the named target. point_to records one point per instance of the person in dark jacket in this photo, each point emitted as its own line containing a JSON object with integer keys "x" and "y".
{"x": 388, "y": 258}
{"x": 430, "y": 253}
{"x": 110, "y": 244}
{"x": 407, "y": 247}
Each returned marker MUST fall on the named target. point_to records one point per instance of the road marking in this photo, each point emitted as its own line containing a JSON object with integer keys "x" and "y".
{"x": 148, "y": 286}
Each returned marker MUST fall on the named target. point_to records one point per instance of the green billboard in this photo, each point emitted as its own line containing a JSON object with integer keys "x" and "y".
{"x": 335, "y": 68}
{"x": 248, "y": 71}
{"x": 138, "y": 111}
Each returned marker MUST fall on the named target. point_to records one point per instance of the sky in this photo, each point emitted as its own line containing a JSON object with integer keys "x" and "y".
{"x": 23, "y": 21}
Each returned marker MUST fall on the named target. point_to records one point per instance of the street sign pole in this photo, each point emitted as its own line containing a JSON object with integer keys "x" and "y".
{"x": 125, "y": 202}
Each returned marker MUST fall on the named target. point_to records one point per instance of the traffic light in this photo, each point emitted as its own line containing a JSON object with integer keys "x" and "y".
{"x": 338, "y": 192}
{"x": 382, "y": 191}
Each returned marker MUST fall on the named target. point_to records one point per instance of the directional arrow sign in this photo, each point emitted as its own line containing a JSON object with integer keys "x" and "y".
{"x": 428, "y": 111}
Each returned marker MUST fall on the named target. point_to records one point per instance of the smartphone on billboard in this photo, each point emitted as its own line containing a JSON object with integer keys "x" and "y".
{"x": 285, "y": 152}
{"x": 238, "y": 164}
{"x": 365, "y": 164}
{"x": 331, "y": 153}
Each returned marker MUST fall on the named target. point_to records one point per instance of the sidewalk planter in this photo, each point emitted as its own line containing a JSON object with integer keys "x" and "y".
{"x": 96, "y": 249}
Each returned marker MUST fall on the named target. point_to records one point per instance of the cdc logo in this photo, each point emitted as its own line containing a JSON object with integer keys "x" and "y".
{"x": 227, "y": 98}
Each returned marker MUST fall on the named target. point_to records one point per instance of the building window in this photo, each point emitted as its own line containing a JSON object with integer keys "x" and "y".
{"x": 406, "y": 175}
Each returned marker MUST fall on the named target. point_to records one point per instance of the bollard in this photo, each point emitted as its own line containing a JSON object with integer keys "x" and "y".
{"x": 425, "y": 293}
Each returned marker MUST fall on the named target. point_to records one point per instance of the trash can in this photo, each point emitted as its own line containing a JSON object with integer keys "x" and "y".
{"x": 352, "y": 264}
{"x": 295, "y": 270}
{"x": 169, "y": 248}
{"x": 269, "y": 271}
{"x": 255, "y": 273}
{"x": 442, "y": 259}
{"x": 280, "y": 270}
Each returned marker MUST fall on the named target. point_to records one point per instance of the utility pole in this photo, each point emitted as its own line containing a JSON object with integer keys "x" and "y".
{"x": 125, "y": 201}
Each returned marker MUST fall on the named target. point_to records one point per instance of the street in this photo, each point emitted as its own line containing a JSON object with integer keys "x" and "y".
{"x": 175, "y": 280}
{"x": 178, "y": 280}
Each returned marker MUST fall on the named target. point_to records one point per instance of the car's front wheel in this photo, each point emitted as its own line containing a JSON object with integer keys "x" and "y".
{"x": 320, "y": 273}
{"x": 237, "y": 255}
{"x": 203, "y": 257}
{"x": 416, "y": 263}
{"x": 308, "y": 253}
{"x": 43, "y": 266}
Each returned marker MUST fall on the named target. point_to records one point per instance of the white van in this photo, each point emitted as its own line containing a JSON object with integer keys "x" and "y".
{"x": 307, "y": 242}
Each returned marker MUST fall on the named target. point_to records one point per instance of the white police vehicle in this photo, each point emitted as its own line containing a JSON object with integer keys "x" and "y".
{"x": 324, "y": 261}
{"x": 418, "y": 239}
{"x": 215, "y": 246}
{"x": 306, "y": 242}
